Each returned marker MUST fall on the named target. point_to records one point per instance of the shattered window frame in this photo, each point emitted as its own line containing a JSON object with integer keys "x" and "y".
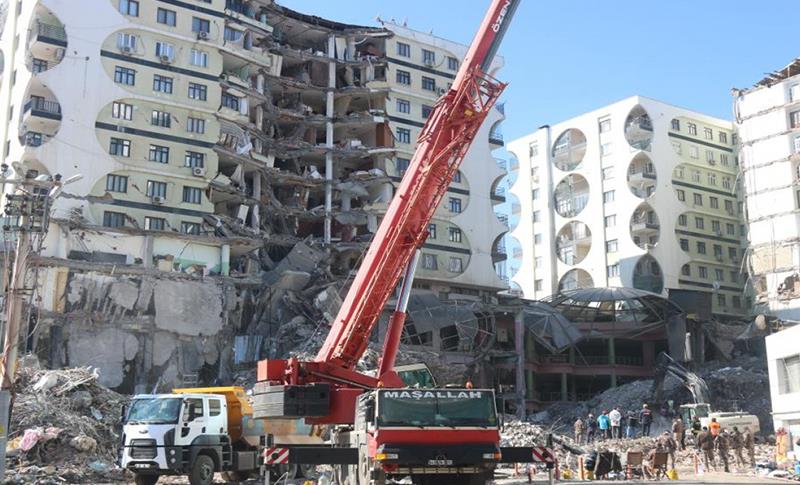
{"x": 190, "y": 228}
{"x": 456, "y": 264}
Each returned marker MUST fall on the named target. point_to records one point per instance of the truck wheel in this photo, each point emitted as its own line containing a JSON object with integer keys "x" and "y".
{"x": 145, "y": 479}
{"x": 202, "y": 471}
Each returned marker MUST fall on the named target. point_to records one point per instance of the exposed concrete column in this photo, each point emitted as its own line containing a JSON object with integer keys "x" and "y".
{"x": 147, "y": 252}
{"x": 255, "y": 221}
{"x": 260, "y": 117}
{"x": 519, "y": 345}
{"x": 260, "y": 81}
{"x": 564, "y": 387}
{"x": 225, "y": 260}
{"x": 347, "y": 199}
{"x": 329, "y": 110}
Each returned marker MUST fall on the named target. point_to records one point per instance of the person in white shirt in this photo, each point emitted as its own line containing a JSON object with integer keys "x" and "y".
{"x": 616, "y": 423}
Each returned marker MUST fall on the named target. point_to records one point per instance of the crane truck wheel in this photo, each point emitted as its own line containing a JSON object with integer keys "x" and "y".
{"x": 202, "y": 471}
{"x": 145, "y": 479}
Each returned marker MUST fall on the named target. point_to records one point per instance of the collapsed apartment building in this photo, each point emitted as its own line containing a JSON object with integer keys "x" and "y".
{"x": 236, "y": 158}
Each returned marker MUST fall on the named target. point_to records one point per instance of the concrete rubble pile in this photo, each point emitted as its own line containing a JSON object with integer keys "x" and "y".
{"x": 744, "y": 386}
{"x": 64, "y": 426}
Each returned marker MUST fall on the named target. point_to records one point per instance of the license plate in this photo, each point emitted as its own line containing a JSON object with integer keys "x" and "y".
{"x": 440, "y": 462}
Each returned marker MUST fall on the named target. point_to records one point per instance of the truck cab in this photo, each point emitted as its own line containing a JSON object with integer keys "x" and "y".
{"x": 183, "y": 433}
{"x": 433, "y": 435}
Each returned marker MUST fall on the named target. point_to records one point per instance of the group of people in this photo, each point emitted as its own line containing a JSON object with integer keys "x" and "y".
{"x": 712, "y": 441}
{"x": 715, "y": 442}
{"x": 609, "y": 425}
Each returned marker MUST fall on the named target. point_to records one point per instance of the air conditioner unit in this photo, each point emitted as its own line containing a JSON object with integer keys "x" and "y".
{"x": 165, "y": 59}
{"x": 441, "y": 91}
{"x": 712, "y": 162}
{"x": 157, "y": 199}
{"x": 126, "y": 49}
{"x": 203, "y": 35}
{"x": 199, "y": 171}
{"x": 428, "y": 62}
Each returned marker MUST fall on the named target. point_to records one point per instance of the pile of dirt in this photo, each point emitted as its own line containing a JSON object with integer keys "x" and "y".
{"x": 64, "y": 425}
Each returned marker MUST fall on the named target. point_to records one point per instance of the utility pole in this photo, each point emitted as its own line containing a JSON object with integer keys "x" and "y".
{"x": 30, "y": 204}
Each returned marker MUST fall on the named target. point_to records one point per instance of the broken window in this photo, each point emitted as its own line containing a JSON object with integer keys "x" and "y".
{"x": 162, "y": 84}
{"x": 116, "y": 183}
{"x": 154, "y": 224}
{"x": 113, "y": 219}
{"x": 124, "y": 75}
{"x": 122, "y": 111}
{"x": 230, "y": 101}
{"x": 195, "y": 159}
{"x": 198, "y": 91}
{"x": 120, "y": 147}
{"x": 686, "y": 270}
{"x": 158, "y": 154}
{"x": 449, "y": 338}
{"x": 129, "y": 7}
{"x": 156, "y": 189}
{"x": 190, "y": 228}
{"x": 794, "y": 119}
{"x": 403, "y": 77}
{"x": 192, "y": 195}
{"x": 161, "y": 118}
{"x": 195, "y": 125}
{"x": 429, "y": 261}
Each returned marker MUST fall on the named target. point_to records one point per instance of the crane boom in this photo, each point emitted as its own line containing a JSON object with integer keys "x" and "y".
{"x": 441, "y": 147}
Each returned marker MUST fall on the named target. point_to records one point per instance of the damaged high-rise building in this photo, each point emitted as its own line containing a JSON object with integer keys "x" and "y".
{"x": 236, "y": 158}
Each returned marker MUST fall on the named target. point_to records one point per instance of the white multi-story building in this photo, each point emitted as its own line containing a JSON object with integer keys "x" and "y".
{"x": 783, "y": 360}
{"x": 640, "y": 194}
{"x": 465, "y": 237}
{"x": 768, "y": 121}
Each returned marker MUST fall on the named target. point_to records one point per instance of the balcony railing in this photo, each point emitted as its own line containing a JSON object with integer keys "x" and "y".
{"x": 496, "y": 138}
{"x": 589, "y": 360}
{"x": 46, "y": 32}
{"x": 43, "y": 107}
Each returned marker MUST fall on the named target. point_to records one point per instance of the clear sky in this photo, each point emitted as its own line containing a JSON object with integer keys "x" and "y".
{"x": 565, "y": 57}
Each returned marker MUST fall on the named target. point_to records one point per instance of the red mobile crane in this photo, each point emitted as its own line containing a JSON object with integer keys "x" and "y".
{"x": 394, "y": 430}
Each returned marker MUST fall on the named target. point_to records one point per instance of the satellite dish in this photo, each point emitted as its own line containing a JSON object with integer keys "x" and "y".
{"x": 716, "y": 286}
{"x": 761, "y": 322}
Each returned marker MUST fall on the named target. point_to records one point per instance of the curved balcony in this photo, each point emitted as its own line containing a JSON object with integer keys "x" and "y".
{"x": 47, "y": 41}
